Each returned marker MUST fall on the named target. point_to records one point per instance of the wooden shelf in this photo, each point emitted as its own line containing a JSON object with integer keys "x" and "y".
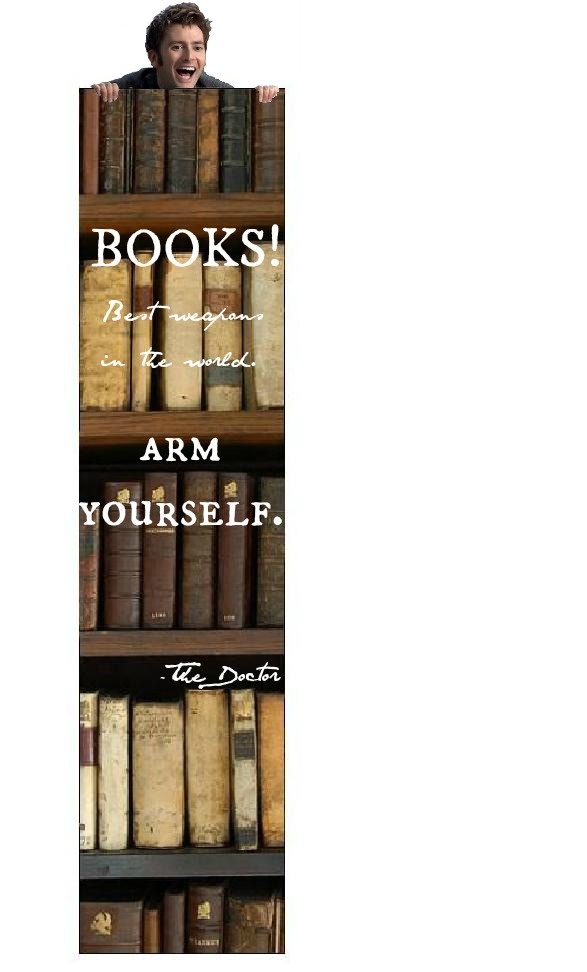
{"x": 102, "y": 429}
{"x": 187, "y": 862}
{"x": 175, "y": 643}
{"x": 164, "y": 213}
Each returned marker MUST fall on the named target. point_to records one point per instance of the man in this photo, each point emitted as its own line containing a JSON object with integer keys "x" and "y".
{"x": 176, "y": 43}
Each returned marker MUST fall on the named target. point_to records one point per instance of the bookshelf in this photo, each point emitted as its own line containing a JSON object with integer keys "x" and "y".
{"x": 187, "y": 862}
{"x": 246, "y": 642}
{"x": 105, "y": 429}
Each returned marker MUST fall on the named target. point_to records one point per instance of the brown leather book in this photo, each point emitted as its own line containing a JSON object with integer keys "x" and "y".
{"x": 149, "y": 135}
{"x": 111, "y": 926}
{"x": 174, "y": 921}
{"x": 235, "y": 140}
{"x": 198, "y": 554}
{"x": 207, "y": 751}
{"x": 159, "y": 551}
{"x": 279, "y": 943}
{"x": 104, "y": 387}
{"x": 158, "y": 774}
{"x": 113, "y": 145}
{"x": 270, "y": 732}
{"x": 244, "y": 769}
{"x": 122, "y": 560}
{"x": 271, "y": 555}
{"x": 234, "y": 551}
{"x": 88, "y": 770}
{"x": 223, "y": 382}
{"x": 205, "y": 919}
{"x": 90, "y": 141}
{"x": 250, "y": 926}
{"x": 181, "y": 141}
{"x": 269, "y": 145}
{"x": 89, "y": 564}
{"x": 152, "y": 943}
{"x": 141, "y": 330}
{"x": 208, "y": 180}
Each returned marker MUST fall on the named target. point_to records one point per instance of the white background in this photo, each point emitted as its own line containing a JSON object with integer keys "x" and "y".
{"x": 437, "y": 494}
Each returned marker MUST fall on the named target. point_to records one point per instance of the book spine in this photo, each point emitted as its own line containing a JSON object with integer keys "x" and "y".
{"x": 208, "y": 141}
{"x": 182, "y": 340}
{"x": 269, "y": 145}
{"x": 198, "y": 554}
{"x": 142, "y": 330}
{"x": 181, "y": 141}
{"x": 271, "y": 556}
{"x": 263, "y": 293}
{"x": 90, "y": 142}
{"x": 235, "y": 140}
{"x": 159, "y": 552}
{"x": 152, "y": 929}
{"x": 149, "y": 152}
{"x": 158, "y": 774}
{"x": 173, "y": 921}
{"x": 250, "y": 926}
{"x": 112, "y": 927}
{"x": 129, "y": 117}
{"x": 208, "y": 768}
{"x": 89, "y": 564}
{"x": 244, "y": 768}
{"x": 223, "y": 339}
{"x": 205, "y": 919}
{"x": 234, "y": 551}
{"x": 104, "y": 387}
{"x": 270, "y": 718}
{"x": 112, "y": 163}
{"x": 113, "y": 776}
{"x": 122, "y": 560}
{"x": 88, "y": 769}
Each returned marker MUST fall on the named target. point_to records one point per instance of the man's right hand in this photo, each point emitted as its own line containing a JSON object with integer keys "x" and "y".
{"x": 107, "y": 90}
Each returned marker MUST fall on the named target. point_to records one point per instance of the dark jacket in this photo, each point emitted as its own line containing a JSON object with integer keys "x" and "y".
{"x": 147, "y": 78}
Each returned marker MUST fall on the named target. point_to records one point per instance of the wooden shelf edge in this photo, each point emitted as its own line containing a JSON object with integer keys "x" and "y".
{"x": 172, "y": 643}
{"x": 262, "y": 428}
{"x": 186, "y": 862}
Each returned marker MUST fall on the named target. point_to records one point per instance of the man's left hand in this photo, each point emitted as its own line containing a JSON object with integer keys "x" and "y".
{"x": 267, "y": 92}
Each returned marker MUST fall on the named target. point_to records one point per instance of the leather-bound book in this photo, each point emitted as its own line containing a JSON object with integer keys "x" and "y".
{"x": 142, "y": 331}
{"x": 159, "y": 553}
{"x": 88, "y": 769}
{"x": 222, "y": 294}
{"x": 157, "y": 774}
{"x": 271, "y": 555}
{"x": 279, "y": 925}
{"x": 113, "y": 144}
{"x": 89, "y": 564}
{"x": 90, "y": 141}
{"x": 270, "y": 729}
{"x": 269, "y": 145}
{"x": 129, "y": 141}
{"x": 113, "y": 926}
{"x": 113, "y": 775}
{"x": 104, "y": 386}
{"x": 205, "y": 919}
{"x": 149, "y": 137}
{"x": 250, "y": 926}
{"x": 235, "y": 140}
{"x": 207, "y": 747}
{"x": 174, "y": 921}
{"x": 234, "y": 551}
{"x": 181, "y": 140}
{"x": 198, "y": 554}
{"x": 122, "y": 560}
{"x": 182, "y": 340}
{"x": 263, "y": 293}
{"x": 208, "y": 180}
{"x": 244, "y": 768}
{"x": 152, "y": 921}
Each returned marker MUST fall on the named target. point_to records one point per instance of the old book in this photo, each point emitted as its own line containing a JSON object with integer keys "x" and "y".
{"x": 207, "y": 747}
{"x": 90, "y": 141}
{"x": 88, "y": 769}
{"x": 208, "y": 163}
{"x": 271, "y": 555}
{"x": 223, "y": 339}
{"x": 279, "y": 925}
{"x": 198, "y": 553}
{"x": 174, "y": 920}
{"x": 152, "y": 942}
{"x": 113, "y": 926}
{"x": 250, "y": 926}
{"x": 159, "y": 551}
{"x": 235, "y": 140}
{"x": 113, "y": 145}
{"x": 104, "y": 386}
{"x": 263, "y": 293}
{"x": 122, "y": 560}
{"x": 182, "y": 341}
{"x": 149, "y": 139}
{"x": 157, "y": 774}
{"x": 113, "y": 775}
{"x": 269, "y": 144}
{"x": 89, "y": 565}
{"x": 128, "y": 138}
{"x": 181, "y": 140}
{"x": 244, "y": 768}
{"x": 271, "y": 756}
{"x": 205, "y": 919}
{"x": 141, "y": 330}
{"x": 234, "y": 551}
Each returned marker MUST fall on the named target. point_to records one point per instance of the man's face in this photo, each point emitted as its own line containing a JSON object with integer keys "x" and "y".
{"x": 182, "y": 58}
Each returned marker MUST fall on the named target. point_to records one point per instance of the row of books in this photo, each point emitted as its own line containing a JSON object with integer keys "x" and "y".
{"x": 194, "y": 918}
{"x": 206, "y": 319}
{"x": 200, "y": 575}
{"x": 204, "y": 141}
{"x": 207, "y": 769}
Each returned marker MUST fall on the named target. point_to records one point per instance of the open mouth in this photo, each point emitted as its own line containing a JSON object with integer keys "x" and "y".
{"x": 185, "y": 73}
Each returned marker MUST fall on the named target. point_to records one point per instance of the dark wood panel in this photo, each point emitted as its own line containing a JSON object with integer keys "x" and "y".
{"x": 187, "y": 862}
{"x": 102, "y": 429}
{"x": 248, "y": 641}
